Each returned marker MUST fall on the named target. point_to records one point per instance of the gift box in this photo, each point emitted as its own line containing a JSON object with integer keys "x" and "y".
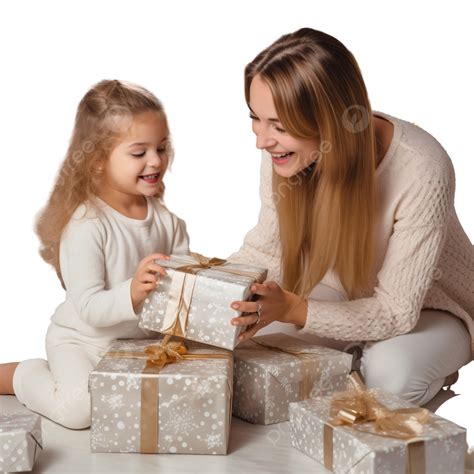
{"x": 193, "y": 300}
{"x": 273, "y": 370}
{"x": 376, "y": 433}
{"x": 20, "y": 441}
{"x": 149, "y": 396}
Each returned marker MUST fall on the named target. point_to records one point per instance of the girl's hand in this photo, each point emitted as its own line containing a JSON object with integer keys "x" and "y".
{"x": 146, "y": 279}
{"x": 274, "y": 304}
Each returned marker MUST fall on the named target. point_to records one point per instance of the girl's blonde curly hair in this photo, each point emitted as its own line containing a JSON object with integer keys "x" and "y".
{"x": 102, "y": 114}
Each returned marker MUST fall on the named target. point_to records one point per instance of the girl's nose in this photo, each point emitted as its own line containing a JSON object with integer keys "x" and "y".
{"x": 155, "y": 160}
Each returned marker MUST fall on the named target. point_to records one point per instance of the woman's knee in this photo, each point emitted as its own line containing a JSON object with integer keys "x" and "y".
{"x": 388, "y": 367}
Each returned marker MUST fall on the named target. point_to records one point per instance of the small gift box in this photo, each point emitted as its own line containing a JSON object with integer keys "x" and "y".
{"x": 373, "y": 431}
{"x": 193, "y": 300}
{"x": 273, "y": 370}
{"x": 20, "y": 441}
{"x": 155, "y": 396}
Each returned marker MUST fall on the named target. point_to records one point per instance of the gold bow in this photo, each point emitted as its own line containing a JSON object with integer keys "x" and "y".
{"x": 358, "y": 405}
{"x": 202, "y": 263}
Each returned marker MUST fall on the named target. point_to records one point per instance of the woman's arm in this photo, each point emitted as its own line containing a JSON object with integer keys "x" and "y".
{"x": 409, "y": 267}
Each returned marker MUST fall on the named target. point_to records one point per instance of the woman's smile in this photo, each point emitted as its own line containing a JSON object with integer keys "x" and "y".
{"x": 281, "y": 159}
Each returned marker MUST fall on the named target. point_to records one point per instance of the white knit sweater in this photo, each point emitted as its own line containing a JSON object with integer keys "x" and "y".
{"x": 424, "y": 259}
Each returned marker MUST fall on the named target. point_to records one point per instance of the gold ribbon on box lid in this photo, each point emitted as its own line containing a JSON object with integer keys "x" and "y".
{"x": 358, "y": 405}
{"x": 182, "y": 288}
{"x": 157, "y": 355}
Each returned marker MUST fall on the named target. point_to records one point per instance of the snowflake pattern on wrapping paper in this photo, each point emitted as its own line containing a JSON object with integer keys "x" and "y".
{"x": 181, "y": 423}
{"x": 115, "y": 400}
{"x": 213, "y": 440}
{"x": 204, "y": 387}
{"x": 132, "y": 382}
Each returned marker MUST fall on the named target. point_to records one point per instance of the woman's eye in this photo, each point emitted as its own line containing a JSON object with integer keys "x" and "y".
{"x": 253, "y": 117}
{"x": 278, "y": 129}
{"x": 139, "y": 155}
{"x": 161, "y": 150}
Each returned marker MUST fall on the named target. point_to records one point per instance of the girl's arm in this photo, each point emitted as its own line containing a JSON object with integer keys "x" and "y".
{"x": 180, "y": 244}
{"x": 261, "y": 245}
{"x": 83, "y": 270}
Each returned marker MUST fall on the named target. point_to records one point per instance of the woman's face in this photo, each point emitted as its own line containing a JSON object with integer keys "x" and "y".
{"x": 290, "y": 155}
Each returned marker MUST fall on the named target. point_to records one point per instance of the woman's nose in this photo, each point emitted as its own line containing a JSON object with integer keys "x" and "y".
{"x": 264, "y": 140}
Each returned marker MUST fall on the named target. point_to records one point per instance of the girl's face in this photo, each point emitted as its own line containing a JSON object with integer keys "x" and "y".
{"x": 136, "y": 166}
{"x": 290, "y": 155}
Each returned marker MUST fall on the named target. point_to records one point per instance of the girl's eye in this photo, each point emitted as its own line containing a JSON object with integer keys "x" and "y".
{"x": 140, "y": 155}
{"x": 253, "y": 117}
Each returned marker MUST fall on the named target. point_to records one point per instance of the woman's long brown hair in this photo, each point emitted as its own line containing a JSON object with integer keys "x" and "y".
{"x": 327, "y": 212}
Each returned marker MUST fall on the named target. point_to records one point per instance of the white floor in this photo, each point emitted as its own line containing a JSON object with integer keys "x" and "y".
{"x": 252, "y": 448}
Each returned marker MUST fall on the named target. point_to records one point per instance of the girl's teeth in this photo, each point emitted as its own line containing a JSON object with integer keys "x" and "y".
{"x": 283, "y": 155}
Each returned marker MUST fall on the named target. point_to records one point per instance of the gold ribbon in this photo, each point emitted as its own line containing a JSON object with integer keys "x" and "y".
{"x": 307, "y": 381}
{"x": 157, "y": 355}
{"x": 358, "y": 405}
{"x": 205, "y": 263}
{"x": 182, "y": 289}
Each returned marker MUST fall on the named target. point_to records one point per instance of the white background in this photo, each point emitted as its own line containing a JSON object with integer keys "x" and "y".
{"x": 416, "y": 59}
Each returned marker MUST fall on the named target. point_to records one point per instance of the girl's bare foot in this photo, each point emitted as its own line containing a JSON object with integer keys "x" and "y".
{"x": 6, "y": 378}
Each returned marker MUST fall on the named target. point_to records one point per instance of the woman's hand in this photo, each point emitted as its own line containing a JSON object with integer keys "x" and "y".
{"x": 146, "y": 279}
{"x": 274, "y": 304}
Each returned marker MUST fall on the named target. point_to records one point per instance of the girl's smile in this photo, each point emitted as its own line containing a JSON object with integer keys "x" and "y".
{"x": 150, "y": 178}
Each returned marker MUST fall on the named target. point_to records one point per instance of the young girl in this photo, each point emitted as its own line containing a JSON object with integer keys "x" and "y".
{"x": 102, "y": 228}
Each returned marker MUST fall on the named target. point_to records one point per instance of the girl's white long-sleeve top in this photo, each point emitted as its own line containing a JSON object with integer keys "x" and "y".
{"x": 424, "y": 259}
{"x": 99, "y": 255}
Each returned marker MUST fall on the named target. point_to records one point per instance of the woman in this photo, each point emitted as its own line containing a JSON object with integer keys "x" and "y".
{"x": 357, "y": 225}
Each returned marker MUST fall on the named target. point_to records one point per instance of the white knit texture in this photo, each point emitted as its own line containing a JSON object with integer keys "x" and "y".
{"x": 425, "y": 258}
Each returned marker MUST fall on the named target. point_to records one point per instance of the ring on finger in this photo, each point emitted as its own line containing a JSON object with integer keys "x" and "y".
{"x": 259, "y": 313}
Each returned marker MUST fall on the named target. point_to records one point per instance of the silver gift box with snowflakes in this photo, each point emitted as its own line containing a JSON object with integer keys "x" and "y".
{"x": 193, "y": 402}
{"x": 20, "y": 441}
{"x": 267, "y": 379}
{"x": 358, "y": 452}
{"x": 205, "y": 313}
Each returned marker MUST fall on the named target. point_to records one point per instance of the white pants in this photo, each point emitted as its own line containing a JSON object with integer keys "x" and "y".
{"x": 413, "y": 365}
{"x": 58, "y": 388}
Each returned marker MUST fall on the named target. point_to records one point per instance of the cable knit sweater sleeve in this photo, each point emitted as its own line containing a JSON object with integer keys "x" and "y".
{"x": 426, "y": 197}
